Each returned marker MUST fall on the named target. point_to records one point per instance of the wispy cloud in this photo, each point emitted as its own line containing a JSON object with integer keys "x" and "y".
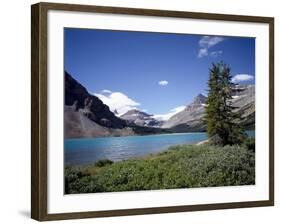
{"x": 242, "y": 78}
{"x": 216, "y": 54}
{"x": 163, "y": 83}
{"x": 169, "y": 114}
{"x": 117, "y": 101}
{"x": 209, "y": 41}
{"x": 202, "y": 52}
{"x": 205, "y": 43}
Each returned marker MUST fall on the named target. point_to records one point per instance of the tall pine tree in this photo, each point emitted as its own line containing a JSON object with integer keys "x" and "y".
{"x": 222, "y": 122}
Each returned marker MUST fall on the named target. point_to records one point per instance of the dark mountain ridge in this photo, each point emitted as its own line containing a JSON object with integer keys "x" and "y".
{"x": 86, "y": 115}
{"x": 91, "y": 106}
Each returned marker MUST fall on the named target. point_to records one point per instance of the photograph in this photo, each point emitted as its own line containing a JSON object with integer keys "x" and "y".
{"x": 157, "y": 111}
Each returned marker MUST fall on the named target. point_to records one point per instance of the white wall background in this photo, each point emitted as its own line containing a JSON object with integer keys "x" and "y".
{"x": 15, "y": 112}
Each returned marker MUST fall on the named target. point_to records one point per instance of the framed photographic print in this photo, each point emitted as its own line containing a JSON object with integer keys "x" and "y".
{"x": 140, "y": 111}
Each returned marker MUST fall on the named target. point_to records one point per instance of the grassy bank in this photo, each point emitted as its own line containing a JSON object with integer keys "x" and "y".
{"x": 182, "y": 166}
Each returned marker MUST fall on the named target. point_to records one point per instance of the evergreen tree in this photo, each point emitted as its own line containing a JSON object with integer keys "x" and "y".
{"x": 222, "y": 122}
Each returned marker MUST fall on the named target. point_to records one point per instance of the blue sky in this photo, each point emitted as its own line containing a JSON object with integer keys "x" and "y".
{"x": 159, "y": 73}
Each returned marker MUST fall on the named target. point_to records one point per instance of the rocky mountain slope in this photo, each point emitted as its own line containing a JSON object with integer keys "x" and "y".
{"x": 77, "y": 125}
{"x": 90, "y": 106}
{"x": 191, "y": 118}
{"x": 141, "y": 118}
{"x": 244, "y": 101}
{"x": 86, "y": 115}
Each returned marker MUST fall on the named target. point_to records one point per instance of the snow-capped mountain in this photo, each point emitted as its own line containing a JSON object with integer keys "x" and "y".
{"x": 141, "y": 118}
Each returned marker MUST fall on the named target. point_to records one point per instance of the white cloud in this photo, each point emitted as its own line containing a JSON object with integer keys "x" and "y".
{"x": 242, "y": 78}
{"x": 202, "y": 52}
{"x": 163, "y": 83}
{"x": 106, "y": 91}
{"x": 215, "y": 54}
{"x": 207, "y": 42}
{"x": 117, "y": 101}
{"x": 169, "y": 114}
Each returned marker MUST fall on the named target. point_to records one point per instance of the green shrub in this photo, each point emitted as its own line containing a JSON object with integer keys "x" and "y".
{"x": 250, "y": 143}
{"x": 184, "y": 166}
{"x": 103, "y": 162}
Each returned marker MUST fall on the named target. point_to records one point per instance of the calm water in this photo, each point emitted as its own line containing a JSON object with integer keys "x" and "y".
{"x": 89, "y": 150}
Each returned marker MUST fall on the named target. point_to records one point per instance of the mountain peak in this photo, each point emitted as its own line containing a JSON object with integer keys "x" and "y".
{"x": 136, "y": 112}
{"x": 140, "y": 118}
{"x": 200, "y": 99}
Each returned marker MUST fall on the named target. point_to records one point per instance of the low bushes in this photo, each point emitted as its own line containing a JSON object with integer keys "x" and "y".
{"x": 103, "y": 162}
{"x": 183, "y": 166}
{"x": 250, "y": 144}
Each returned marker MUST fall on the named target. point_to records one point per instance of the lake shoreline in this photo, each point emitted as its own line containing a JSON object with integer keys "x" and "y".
{"x": 88, "y": 151}
{"x": 136, "y": 135}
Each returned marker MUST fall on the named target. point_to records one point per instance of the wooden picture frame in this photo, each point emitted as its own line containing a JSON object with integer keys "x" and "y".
{"x": 39, "y": 109}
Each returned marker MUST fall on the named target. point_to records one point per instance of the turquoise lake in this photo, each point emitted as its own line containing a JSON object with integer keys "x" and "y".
{"x": 84, "y": 151}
